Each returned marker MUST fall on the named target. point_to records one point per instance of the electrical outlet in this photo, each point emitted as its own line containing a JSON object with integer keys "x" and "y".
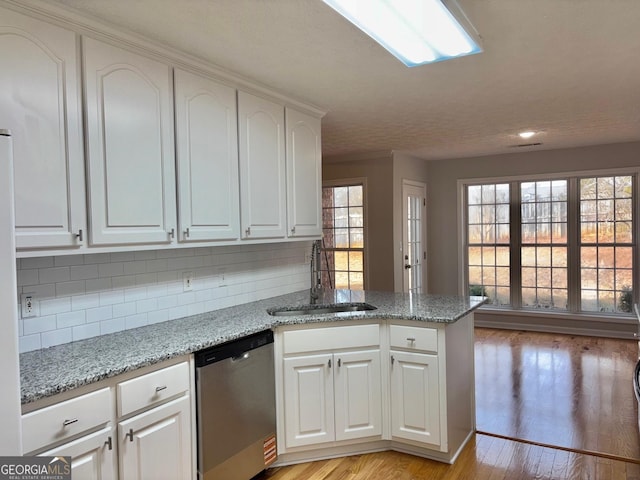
{"x": 187, "y": 281}
{"x": 29, "y": 305}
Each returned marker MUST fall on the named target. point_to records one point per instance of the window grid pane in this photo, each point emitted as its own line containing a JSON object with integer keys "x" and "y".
{"x": 606, "y": 244}
{"x": 488, "y": 239}
{"x": 342, "y": 253}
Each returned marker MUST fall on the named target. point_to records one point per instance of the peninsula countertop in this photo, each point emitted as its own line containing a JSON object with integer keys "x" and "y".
{"x": 57, "y": 369}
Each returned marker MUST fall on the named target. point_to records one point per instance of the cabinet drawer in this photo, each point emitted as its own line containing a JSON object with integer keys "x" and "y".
{"x": 331, "y": 338}
{"x": 413, "y": 338}
{"x": 62, "y": 420}
{"x": 152, "y": 388}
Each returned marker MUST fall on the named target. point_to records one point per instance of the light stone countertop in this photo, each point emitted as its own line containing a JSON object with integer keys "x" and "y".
{"x": 57, "y": 369}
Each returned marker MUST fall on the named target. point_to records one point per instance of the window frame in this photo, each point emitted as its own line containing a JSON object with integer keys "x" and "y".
{"x": 573, "y": 240}
{"x": 350, "y": 182}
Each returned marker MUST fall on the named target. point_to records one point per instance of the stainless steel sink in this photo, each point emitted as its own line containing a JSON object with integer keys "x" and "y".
{"x": 320, "y": 309}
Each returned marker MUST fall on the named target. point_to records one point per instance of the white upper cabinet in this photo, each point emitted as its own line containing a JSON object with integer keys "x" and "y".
{"x": 304, "y": 174}
{"x": 207, "y": 159}
{"x": 262, "y": 167}
{"x": 40, "y": 104}
{"x": 130, "y": 146}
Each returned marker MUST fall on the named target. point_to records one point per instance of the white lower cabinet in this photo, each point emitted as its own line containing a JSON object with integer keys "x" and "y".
{"x": 152, "y": 440}
{"x": 415, "y": 397}
{"x": 156, "y": 444}
{"x": 93, "y": 457}
{"x": 332, "y": 397}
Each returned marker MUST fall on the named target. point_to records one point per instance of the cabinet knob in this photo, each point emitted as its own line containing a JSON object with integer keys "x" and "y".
{"x": 66, "y": 423}
{"x": 79, "y": 235}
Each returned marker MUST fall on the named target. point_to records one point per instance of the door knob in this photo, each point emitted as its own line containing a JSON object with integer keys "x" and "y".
{"x": 407, "y": 267}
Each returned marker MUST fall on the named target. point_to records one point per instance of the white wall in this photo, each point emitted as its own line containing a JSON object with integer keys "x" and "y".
{"x": 82, "y": 296}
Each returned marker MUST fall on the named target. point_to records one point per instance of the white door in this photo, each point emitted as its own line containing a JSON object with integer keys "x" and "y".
{"x": 415, "y": 397}
{"x": 262, "y": 167}
{"x": 207, "y": 159}
{"x": 93, "y": 457}
{"x": 304, "y": 174}
{"x": 130, "y": 146}
{"x": 40, "y": 104}
{"x": 414, "y": 252}
{"x": 308, "y": 400}
{"x": 157, "y": 443}
{"x": 358, "y": 394}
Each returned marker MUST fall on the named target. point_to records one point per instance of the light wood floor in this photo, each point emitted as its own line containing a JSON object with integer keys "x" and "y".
{"x": 534, "y": 392}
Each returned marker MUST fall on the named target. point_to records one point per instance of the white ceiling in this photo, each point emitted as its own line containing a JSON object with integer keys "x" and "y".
{"x": 567, "y": 68}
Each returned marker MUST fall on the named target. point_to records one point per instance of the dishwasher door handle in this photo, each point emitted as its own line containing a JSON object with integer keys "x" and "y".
{"x": 242, "y": 356}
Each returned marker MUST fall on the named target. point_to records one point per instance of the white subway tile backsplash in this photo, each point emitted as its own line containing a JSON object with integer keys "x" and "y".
{"x": 85, "y": 331}
{"x": 135, "y": 321}
{"x": 56, "y": 337}
{"x": 28, "y": 277}
{"x": 124, "y": 309}
{"x": 83, "y": 272}
{"x": 65, "y": 289}
{"x": 100, "y": 313}
{"x": 95, "y": 294}
{"x": 71, "y": 319}
{"x": 83, "y": 302}
{"x": 39, "y": 324}
{"x": 52, "y": 306}
{"x": 111, "y": 326}
{"x": 54, "y": 275}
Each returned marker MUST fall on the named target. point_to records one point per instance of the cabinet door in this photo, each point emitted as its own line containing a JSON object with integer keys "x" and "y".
{"x": 415, "y": 397}
{"x": 93, "y": 456}
{"x": 304, "y": 174}
{"x": 156, "y": 444}
{"x": 262, "y": 167}
{"x": 130, "y": 146}
{"x": 207, "y": 159}
{"x": 308, "y": 400}
{"x": 40, "y": 104}
{"x": 358, "y": 394}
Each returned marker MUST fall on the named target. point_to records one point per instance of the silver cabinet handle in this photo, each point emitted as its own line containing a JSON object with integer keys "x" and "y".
{"x": 129, "y": 435}
{"x": 186, "y": 232}
{"x": 172, "y": 232}
{"x": 392, "y": 360}
{"x": 329, "y": 363}
{"x": 248, "y": 231}
{"x": 66, "y": 423}
{"x": 339, "y": 363}
{"x": 159, "y": 389}
{"x": 109, "y": 443}
{"x": 79, "y": 235}
{"x": 293, "y": 229}
{"x": 411, "y": 339}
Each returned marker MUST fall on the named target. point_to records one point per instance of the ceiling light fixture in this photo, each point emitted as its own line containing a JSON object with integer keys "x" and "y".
{"x": 414, "y": 31}
{"x": 528, "y": 134}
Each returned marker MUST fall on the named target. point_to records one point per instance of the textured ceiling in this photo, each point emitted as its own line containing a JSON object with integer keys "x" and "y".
{"x": 567, "y": 68}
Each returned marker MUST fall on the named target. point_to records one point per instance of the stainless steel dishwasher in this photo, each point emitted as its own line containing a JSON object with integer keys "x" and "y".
{"x": 235, "y": 408}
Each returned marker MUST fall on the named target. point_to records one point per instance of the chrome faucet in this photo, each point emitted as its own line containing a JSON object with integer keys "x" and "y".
{"x": 316, "y": 279}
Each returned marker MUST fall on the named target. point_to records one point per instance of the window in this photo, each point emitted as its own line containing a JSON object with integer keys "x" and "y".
{"x": 557, "y": 244}
{"x": 343, "y": 243}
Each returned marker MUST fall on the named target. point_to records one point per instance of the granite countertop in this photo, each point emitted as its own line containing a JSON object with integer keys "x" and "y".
{"x": 57, "y": 369}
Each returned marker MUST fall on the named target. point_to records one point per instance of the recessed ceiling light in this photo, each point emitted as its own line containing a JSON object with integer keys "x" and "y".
{"x": 527, "y": 134}
{"x": 415, "y": 31}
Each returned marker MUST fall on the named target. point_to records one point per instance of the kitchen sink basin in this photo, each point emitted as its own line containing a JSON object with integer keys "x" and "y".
{"x": 320, "y": 309}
